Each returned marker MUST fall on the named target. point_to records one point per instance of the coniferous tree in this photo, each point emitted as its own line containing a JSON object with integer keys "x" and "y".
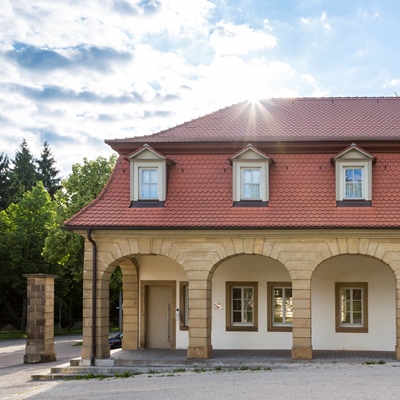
{"x": 23, "y": 175}
{"x": 47, "y": 172}
{"x": 4, "y": 181}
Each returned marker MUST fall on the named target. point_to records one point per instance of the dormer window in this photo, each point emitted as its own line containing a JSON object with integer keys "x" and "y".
{"x": 250, "y": 178}
{"x": 148, "y": 177}
{"x": 353, "y": 177}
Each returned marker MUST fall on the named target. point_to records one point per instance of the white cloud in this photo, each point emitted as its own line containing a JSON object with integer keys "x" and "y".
{"x": 230, "y": 39}
{"x": 315, "y": 24}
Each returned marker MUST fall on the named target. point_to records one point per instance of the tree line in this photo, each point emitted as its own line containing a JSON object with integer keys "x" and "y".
{"x": 34, "y": 203}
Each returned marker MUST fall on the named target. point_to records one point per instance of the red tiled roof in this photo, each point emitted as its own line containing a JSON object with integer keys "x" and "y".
{"x": 297, "y": 119}
{"x": 302, "y": 194}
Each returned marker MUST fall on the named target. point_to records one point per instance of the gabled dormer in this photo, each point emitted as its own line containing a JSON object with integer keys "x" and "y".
{"x": 250, "y": 177}
{"x": 148, "y": 169}
{"x": 353, "y": 177}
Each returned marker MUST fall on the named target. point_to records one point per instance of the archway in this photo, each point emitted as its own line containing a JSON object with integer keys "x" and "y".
{"x": 353, "y": 304}
{"x": 243, "y": 304}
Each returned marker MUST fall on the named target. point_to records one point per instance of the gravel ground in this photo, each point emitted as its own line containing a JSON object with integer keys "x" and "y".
{"x": 316, "y": 381}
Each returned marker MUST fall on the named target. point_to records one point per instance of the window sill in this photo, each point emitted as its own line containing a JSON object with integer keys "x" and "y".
{"x": 147, "y": 204}
{"x": 354, "y": 203}
{"x": 250, "y": 203}
{"x": 279, "y": 328}
{"x": 242, "y": 329}
{"x": 349, "y": 329}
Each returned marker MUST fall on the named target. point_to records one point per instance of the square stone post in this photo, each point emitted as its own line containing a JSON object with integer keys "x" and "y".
{"x": 199, "y": 319}
{"x": 130, "y": 318}
{"x": 40, "y": 319}
{"x": 302, "y": 338}
{"x": 397, "y": 349}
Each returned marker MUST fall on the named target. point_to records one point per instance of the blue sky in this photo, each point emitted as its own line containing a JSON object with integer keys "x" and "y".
{"x": 75, "y": 73}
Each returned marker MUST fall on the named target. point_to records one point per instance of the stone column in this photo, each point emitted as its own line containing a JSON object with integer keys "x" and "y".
{"x": 40, "y": 319}
{"x": 199, "y": 317}
{"x": 130, "y": 319}
{"x": 302, "y": 338}
{"x": 398, "y": 319}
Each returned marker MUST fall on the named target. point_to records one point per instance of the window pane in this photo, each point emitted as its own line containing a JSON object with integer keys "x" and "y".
{"x": 357, "y": 318}
{"x": 288, "y": 305}
{"x": 237, "y": 305}
{"x": 236, "y": 317}
{"x": 247, "y": 176}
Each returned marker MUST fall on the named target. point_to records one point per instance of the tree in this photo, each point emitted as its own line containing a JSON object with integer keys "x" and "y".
{"x": 47, "y": 172}
{"x": 24, "y": 228}
{"x": 23, "y": 175}
{"x": 4, "y": 181}
{"x": 65, "y": 248}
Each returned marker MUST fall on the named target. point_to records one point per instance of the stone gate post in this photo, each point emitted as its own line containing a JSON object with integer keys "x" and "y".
{"x": 40, "y": 319}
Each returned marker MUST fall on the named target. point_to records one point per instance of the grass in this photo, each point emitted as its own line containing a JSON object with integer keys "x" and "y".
{"x": 380, "y": 362}
{"x": 6, "y": 335}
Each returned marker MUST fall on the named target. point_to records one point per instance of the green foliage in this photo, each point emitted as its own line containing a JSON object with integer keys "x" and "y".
{"x": 23, "y": 229}
{"x": 33, "y": 206}
{"x": 65, "y": 248}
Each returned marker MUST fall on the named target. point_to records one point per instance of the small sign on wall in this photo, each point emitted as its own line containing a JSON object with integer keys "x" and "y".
{"x": 218, "y": 305}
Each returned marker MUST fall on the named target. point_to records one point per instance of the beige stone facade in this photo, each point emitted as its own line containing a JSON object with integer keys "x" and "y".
{"x": 197, "y": 255}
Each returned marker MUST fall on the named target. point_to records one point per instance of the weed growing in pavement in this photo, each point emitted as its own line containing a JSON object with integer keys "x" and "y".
{"x": 179, "y": 370}
{"x": 199, "y": 370}
{"x": 380, "y": 362}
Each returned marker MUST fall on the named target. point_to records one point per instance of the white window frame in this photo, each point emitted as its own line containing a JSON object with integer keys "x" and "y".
{"x": 351, "y": 327}
{"x": 141, "y": 183}
{"x": 242, "y": 306}
{"x": 239, "y": 167}
{"x": 366, "y": 180}
{"x": 353, "y": 158}
{"x": 284, "y": 297}
{"x": 241, "y": 326}
{"x": 272, "y": 325}
{"x": 136, "y": 167}
{"x": 242, "y": 183}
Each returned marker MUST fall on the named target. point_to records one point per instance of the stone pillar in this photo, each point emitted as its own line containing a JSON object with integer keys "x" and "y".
{"x": 130, "y": 319}
{"x": 398, "y": 319}
{"x": 40, "y": 319}
{"x": 302, "y": 338}
{"x": 199, "y": 318}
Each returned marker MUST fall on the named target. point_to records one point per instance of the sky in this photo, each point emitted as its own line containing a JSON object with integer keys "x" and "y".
{"x": 74, "y": 73}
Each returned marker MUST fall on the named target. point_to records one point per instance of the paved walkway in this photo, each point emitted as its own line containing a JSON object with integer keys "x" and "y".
{"x": 243, "y": 357}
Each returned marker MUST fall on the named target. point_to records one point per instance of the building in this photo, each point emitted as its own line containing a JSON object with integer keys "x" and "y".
{"x": 264, "y": 225}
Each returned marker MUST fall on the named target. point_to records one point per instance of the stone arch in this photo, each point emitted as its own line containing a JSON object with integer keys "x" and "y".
{"x": 379, "y": 301}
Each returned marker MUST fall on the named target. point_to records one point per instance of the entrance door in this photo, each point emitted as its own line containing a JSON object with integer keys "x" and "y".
{"x": 159, "y": 315}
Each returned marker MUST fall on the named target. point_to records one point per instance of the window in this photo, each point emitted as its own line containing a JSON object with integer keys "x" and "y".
{"x": 280, "y": 306}
{"x": 250, "y": 183}
{"x": 250, "y": 178}
{"x": 148, "y": 170}
{"x": 184, "y": 306}
{"x": 148, "y": 178}
{"x": 351, "y": 307}
{"x": 241, "y": 310}
{"x": 353, "y": 177}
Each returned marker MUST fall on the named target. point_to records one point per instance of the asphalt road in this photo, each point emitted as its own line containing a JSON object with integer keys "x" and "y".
{"x": 294, "y": 381}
